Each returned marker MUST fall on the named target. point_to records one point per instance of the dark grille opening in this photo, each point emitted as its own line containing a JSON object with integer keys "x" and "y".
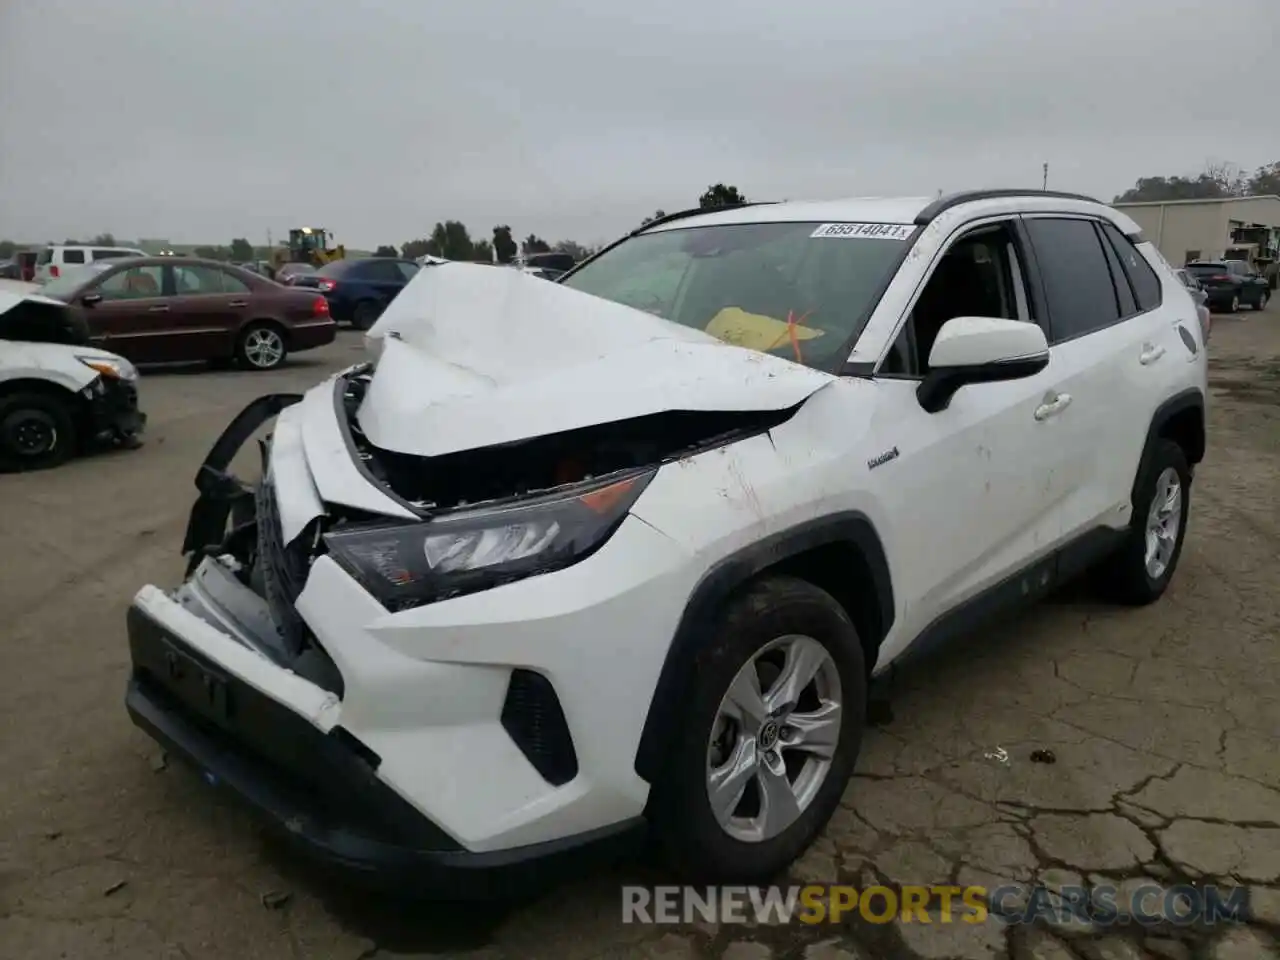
{"x": 284, "y": 572}
{"x": 534, "y": 719}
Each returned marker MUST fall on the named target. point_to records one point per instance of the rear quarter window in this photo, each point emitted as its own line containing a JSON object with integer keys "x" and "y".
{"x": 46, "y": 255}
{"x": 1142, "y": 278}
{"x": 73, "y": 256}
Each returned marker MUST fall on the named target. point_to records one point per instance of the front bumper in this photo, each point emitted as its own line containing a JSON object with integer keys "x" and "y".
{"x": 113, "y": 409}
{"x": 320, "y": 789}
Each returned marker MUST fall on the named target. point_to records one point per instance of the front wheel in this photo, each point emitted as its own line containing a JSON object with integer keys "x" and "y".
{"x": 1263, "y": 297}
{"x": 1140, "y": 570}
{"x": 770, "y": 735}
{"x": 37, "y": 431}
{"x": 261, "y": 346}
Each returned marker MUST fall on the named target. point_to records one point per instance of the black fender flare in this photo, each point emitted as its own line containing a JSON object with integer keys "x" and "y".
{"x": 1189, "y": 399}
{"x": 715, "y": 587}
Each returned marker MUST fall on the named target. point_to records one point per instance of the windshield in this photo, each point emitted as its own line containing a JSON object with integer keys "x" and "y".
{"x": 798, "y": 290}
{"x": 72, "y": 279}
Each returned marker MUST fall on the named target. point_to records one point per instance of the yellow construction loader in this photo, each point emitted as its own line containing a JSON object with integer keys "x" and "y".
{"x": 309, "y": 245}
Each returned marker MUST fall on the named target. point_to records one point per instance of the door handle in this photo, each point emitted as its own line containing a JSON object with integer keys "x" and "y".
{"x": 1150, "y": 354}
{"x": 163, "y": 308}
{"x": 238, "y": 303}
{"x": 1053, "y": 407}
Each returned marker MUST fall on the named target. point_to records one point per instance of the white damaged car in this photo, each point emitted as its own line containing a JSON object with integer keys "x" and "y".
{"x": 569, "y": 563}
{"x": 58, "y": 392}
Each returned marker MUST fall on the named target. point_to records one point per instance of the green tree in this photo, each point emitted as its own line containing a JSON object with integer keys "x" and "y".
{"x": 720, "y": 195}
{"x": 451, "y": 241}
{"x": 387, "y": 251}
{"x": 534, "y": 244}
{"x": 212, "y": 253}
{"x": 657, "y": 215}
{"x": 416, "y": 248}
{"x": 241, "y": 250}
{"x": 103, "y": 240}
{"x": 482, "y": 251}
{"x": 503, "y": 246}
{"x": 1215, "y": 182}
{"x": 1266, "y": 180}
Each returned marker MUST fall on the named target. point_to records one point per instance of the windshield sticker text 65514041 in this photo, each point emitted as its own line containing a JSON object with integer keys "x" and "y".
{"x": 864, "y": 231}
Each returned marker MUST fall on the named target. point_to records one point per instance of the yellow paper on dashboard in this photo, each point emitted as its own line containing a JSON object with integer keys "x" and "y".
{"x": 755, "y": 331}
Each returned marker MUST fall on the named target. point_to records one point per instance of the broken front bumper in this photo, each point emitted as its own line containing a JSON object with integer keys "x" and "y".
{"x": 211, "y": 682}
{"x": 113, "y": 409}
{"x": 319, "y": 788}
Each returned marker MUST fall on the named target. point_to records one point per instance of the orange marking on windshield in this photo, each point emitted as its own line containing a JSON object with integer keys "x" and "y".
{"x": 792, "y": 323}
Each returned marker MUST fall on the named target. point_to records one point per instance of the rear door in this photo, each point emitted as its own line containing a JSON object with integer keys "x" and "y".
{"x": 208, "y": 307}
{"x": 131, "y": 316}
{"x": 1109, "y": 337}
{"x": 384, "y": 277}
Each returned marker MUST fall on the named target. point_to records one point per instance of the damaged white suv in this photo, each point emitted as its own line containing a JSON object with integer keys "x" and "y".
{"x": 571, "y": 561}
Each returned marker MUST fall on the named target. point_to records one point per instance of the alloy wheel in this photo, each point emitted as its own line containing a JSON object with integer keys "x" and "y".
{"x": 775, "y": 734}
{"x": 263, "y": 347}
{"x": 1164, "y": 521}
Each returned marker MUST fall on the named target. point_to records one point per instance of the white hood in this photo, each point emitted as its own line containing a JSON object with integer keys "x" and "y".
{"x": 473, "y": 356}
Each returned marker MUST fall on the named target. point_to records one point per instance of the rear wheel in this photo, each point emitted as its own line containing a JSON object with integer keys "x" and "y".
{"x": 37, "y": 431}
{"x": 770, "y": 735}
{"x": 365, "y": 315}
{"x": 1235, "y": 303}
{"x": 261, "y": 346}
{"x": 1263, "y": 297}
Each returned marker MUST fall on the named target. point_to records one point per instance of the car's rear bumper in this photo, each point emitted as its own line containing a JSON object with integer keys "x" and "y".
{"x": 312, "y": 333}
{"x": 320, "y": 789}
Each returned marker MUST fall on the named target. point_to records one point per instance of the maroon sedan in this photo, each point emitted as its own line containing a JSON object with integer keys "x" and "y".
{"x": 161, "y": 309}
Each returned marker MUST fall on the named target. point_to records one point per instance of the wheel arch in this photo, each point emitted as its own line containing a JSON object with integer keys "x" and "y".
{"x": 1180, "y": 419}
{"x": 841, "y": 554}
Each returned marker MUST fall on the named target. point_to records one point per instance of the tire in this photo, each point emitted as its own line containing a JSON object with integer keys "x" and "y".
{"x": 772, "y": 618}
{"x": 1235, "y": 303}
{"x": 1263, "y": 297}
{"x": 37, "y": 431}
{"x": 1130, "y": 576}
{"x": 365, "y": 315}
{"x": 261, "y": 346}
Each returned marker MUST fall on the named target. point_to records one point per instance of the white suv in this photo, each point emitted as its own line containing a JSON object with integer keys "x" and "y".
{"x": 572, "y": 561}
{"x": 58, "y": 258}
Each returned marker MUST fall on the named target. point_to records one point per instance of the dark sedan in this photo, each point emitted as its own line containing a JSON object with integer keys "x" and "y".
{"x": 163, "y": 309}
{"x": 1230, "y": 284}
{"x": 359, "y": 290}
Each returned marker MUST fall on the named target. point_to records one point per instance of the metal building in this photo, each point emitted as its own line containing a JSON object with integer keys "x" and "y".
{"x": 1235, "y": 228}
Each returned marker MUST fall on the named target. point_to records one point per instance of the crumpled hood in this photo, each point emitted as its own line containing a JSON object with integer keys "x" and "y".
{"x": 472, "y": 356}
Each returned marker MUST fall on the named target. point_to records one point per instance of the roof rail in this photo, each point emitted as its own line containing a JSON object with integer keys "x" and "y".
{"x": 695, "y": 211}
{"x": 943, "y": 204}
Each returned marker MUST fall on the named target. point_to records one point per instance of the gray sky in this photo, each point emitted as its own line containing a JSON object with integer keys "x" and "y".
{"x": 210, "y": 120}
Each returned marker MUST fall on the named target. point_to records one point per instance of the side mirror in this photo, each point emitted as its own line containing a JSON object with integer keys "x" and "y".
{"x": 972, "y": 350}
{"x": 89, "y": 299}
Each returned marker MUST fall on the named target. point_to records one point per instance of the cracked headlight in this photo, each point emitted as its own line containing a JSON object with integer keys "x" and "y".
{"x": 405, "y": 565}
{"x": 117, "y": 368}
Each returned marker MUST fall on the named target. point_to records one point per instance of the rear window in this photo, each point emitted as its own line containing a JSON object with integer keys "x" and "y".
{"x": 336, "y": 268}
{"x": 46, "y": 255}
{"x": 1202, "y": 270}
{"x": 73, "y": 256}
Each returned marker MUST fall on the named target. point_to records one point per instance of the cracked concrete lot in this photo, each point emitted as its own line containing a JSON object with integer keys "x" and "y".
{"x": 1163, "y": 723}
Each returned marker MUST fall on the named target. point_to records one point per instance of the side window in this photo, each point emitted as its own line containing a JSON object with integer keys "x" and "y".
{"x": 73, "y": 256}
{"x": 1077, "y": 282}
{"x": 381, "y": 271}
{"x": 233, "y": 284}
{"x": 113, "y": 254}
{"x": 410, "y": 270}
{"x": 196, "y": 280}
{"x": 1145, "y": 283}
{"x": 979, "y": 276}
{"x": 1124, "y": 292}
{"x": 133, "y": 284}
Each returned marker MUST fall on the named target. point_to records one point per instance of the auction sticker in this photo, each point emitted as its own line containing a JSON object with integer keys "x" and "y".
{"x": 864, "y": 231}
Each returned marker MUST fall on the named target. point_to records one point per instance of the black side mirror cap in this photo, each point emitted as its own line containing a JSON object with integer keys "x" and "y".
{"x": 939, "y": 386}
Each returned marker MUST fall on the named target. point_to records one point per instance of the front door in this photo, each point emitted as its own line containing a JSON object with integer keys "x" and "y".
{"x": 128, "y": 313}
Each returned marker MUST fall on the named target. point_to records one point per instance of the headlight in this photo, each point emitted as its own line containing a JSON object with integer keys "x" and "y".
{"x": 117, "y": 369}
{"x": 407, "y": 565}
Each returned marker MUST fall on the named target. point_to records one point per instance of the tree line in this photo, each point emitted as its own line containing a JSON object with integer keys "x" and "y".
{"x": 449, "y": 239}
{"x": 1216, "y": 181}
